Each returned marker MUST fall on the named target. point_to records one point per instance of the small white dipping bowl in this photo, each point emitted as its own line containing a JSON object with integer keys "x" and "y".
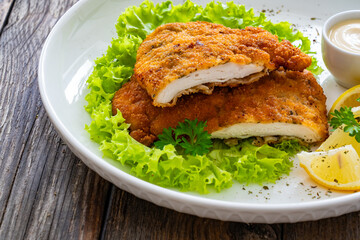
{"x": 344, "y": 65}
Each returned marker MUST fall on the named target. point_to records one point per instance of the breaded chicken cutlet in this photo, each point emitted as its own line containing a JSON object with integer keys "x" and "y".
{"x": 183, "y": 58}
{"x": 287, "y": 103}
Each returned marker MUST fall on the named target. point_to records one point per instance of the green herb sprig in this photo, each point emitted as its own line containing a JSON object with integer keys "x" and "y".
{"x": 188, "y": 135}
{"x": 346, "y": 117}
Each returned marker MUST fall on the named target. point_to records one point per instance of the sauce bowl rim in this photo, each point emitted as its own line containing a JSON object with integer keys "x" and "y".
{"x": 337, "y": 18}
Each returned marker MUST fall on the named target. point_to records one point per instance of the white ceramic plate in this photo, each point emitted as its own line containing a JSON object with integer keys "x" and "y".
{"x": 84, "y": 33}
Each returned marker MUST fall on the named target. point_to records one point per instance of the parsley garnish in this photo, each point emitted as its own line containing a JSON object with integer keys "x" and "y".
{"x": 346, "y": 117}
{"x": 188, "y": 135}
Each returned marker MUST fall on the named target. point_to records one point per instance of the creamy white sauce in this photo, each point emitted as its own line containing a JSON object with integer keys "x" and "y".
{"x": 346, "y": 35}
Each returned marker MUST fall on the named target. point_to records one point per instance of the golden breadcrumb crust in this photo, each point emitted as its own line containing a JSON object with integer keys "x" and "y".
{"x": 175, "y": 50}
{"x": 285, "y": 97}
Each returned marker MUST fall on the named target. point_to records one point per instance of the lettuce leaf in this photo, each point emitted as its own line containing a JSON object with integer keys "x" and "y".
{"x": 252, "y": 164}
{"x": 141, "y": 21}
{"x": 217, "y": 170}
{"x": 292, "y": 147}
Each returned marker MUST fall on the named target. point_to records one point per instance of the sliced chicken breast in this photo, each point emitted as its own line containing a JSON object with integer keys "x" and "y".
{"x": 282, "y": 103}
{"x": 183, "y": 58}
{"x": 204, "y": 80}
{"x": 245, "y": 130}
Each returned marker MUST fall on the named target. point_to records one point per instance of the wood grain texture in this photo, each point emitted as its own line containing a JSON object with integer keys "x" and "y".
{"x": 45, "y": 191}
{"x": 129, "y": 217}
{"x": 48, "y": 193}
{"x": 5, "y": 9}
{"x": 343, "y": 227}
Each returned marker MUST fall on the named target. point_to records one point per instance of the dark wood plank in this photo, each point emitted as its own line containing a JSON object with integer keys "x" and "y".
{"x": 132, "y": 218}
{"x": 343, "y": 227}
{"x": 45, "y": 191}
{"x": 5, "y": 9}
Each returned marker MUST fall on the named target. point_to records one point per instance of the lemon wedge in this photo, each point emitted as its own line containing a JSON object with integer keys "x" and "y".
{"x": 336, "y": 169}
{"x": 348, "y": 98}
{"x": 339, "y": 138}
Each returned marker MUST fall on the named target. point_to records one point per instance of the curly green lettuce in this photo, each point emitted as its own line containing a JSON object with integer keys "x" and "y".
{"x": 166, "y": 167}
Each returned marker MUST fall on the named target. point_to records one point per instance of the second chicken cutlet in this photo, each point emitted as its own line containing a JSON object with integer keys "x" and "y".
{"x": 287, "y": 103}
{"x": 183, "y": 58}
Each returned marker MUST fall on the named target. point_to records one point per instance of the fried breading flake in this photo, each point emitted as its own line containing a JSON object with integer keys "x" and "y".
{"x": 183, "y": 58}
{"x": 287, "y": 103}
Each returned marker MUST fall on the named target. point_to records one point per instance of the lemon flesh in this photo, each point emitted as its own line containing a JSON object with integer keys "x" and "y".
{"x": 339, "y": 138}
{"x": 336, "y": 169}
{"x": 348, "y": 99}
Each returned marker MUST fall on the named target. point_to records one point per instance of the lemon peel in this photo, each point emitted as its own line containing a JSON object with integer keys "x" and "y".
{"x": 348, "y": 99}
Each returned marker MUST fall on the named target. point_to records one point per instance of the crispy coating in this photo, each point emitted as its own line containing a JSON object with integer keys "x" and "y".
{"x": 175, "y": 50}
{"x": 286, "y": 97}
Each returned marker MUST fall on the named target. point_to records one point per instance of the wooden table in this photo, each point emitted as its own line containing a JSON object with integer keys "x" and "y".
{"x": 48, "y": 193}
